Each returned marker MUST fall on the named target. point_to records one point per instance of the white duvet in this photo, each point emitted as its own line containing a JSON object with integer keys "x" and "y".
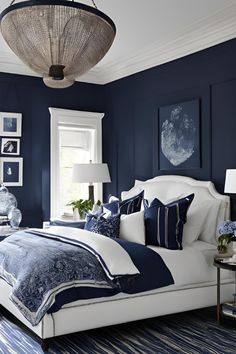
{"x": 193, "y": 264}
{"x": 187, "y": 266}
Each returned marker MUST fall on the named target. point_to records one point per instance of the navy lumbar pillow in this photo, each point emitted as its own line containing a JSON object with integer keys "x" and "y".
{"x": 104, "y": 224}
{"x": 127, "y": 206}
{"x": 76, "y": 224}
{"x": 164, "y": 223}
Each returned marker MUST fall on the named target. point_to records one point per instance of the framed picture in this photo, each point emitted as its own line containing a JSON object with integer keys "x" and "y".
{"x": 179, "y": 136}
{"x": 10, "y": 146}
{"x": 10, "y": 124}
{"x": 11, "y": 171}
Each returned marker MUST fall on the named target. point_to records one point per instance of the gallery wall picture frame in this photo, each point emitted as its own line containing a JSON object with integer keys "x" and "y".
{"x": 10, "y": 146}
{"x": 179, "y": 136}
{"x": 11, "y": 171}
{"x": 10, "y": 124}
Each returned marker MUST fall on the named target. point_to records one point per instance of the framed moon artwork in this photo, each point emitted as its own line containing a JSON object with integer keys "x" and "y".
{"x": 179, "y": 136}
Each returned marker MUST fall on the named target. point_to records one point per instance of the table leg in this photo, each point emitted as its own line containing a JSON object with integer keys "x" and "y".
{"x": 218, "y": 295}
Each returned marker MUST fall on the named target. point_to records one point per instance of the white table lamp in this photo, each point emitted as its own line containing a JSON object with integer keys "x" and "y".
{"x": 91, "y": 173}
{"x": 230, "y": 181}
{"x": 230, "y": 187}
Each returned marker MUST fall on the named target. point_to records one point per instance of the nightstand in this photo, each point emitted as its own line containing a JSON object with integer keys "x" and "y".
{"x": 227, "y": 309}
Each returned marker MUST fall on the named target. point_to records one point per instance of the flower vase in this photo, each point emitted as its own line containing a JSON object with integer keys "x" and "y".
{"x": 15, "y": 217}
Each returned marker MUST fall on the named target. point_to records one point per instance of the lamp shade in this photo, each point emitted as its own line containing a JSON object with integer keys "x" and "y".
{"x": 230, "y": 181}
{"x": 90, "y": 173}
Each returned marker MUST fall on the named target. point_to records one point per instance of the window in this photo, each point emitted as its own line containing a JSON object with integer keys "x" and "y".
{"x": 75, "y": 138}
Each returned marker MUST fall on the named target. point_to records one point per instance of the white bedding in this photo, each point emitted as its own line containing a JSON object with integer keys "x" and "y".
{"x": 191, "y": 267}
{"x": 207, "y": 249}
{"x": 116, "y": 260}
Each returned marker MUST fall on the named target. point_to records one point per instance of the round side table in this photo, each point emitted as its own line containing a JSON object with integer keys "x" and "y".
{"x": 223, "y": 263}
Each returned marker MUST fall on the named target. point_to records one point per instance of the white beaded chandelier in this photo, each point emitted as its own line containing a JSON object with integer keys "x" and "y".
{"x": 58, "y": 39}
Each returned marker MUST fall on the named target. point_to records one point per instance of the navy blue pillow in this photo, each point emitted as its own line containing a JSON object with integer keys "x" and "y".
{"x": 109, "y": 226}
{"x": 112, "y": 207}
{"x": 164, "y": 223}
{"x": 131, "y": 205}
{"x": 127, "y": 206}
{"x": 76, "y": 224}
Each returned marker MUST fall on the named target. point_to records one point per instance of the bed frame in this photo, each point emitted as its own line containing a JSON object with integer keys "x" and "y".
{"x": 110, "y": 312}
{"x": 113, "y": 312}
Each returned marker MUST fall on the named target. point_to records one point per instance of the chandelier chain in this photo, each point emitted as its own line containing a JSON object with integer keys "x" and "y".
{"x": 94, "y": 4}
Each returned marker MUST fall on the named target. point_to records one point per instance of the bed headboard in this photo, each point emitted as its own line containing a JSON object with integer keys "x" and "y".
{"x": 208, "y": 203}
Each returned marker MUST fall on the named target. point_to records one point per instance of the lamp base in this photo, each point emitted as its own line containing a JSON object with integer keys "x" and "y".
{"x": 91, "y": 192}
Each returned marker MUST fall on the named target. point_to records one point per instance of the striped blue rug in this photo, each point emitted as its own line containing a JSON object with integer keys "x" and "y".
{"x": 190, "y": 332}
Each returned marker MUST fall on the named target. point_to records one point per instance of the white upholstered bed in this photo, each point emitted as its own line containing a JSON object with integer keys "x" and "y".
{"x": 195, "y": 285}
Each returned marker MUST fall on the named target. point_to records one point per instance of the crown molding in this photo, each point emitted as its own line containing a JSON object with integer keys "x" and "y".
{"x": 209, "y": 31}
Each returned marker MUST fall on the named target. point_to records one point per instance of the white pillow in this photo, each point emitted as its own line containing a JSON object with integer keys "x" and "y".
{"x": 195, "y": 222}
{"x": 161, "y": 190}
{"x": 131, "y": 193}
{"x": 201, "y": 222}
{"x": 132, "y": 227}
{"x": 112, "y": 198}
{"x": 211, "y": 222}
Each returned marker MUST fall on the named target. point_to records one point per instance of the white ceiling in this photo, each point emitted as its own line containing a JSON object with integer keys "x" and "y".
{"x": 149, "y": 33}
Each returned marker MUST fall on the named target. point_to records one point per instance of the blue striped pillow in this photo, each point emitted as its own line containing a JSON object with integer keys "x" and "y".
{"x": 127, "y": 206}
{"x": 131, "y": 205}
{"x": 164, "y": 223}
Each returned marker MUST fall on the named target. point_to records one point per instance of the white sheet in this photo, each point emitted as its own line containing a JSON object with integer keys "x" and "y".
{"x": 187, "y": 266}
{"x": 192, "y": 265}
{"x": 207, "y": 249}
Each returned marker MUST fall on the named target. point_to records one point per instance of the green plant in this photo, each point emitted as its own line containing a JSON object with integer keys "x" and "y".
{"x": 223, "y": 241}
{"x": 83, "y": 206}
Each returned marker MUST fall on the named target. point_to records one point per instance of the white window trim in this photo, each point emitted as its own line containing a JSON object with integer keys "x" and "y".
{"x": 59, "y": 117}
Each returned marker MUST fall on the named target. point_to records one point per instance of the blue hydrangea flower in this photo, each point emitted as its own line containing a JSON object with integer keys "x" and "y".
{"x": 227, "y": 227}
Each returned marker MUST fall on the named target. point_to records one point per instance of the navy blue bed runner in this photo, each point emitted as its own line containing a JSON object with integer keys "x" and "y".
{"x": 35, "y": 266}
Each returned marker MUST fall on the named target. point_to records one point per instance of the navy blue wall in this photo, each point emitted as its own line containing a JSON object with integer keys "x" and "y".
{"x": 32, "y": 98}
{"x": 131, "y": 124}
{"x": 130, "y": 129}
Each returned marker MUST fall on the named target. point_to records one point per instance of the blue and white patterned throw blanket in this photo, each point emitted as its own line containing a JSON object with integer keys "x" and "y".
{"x": 38, "y": 264}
